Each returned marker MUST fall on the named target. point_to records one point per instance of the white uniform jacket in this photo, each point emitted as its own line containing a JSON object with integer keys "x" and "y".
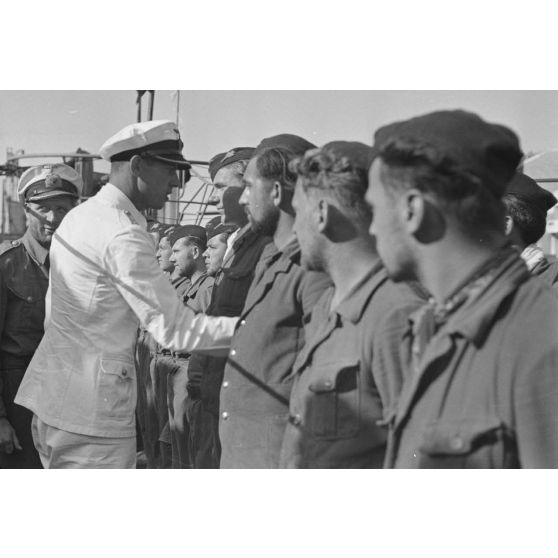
{"x": 104, "y": 282}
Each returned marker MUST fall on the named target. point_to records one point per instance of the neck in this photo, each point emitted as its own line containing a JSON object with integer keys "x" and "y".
{"x": 443, "y": 271}
{"x": 196, "y": 275}
{"x": 284, "y": 232}
{"x": 126, "y": 183}
{"x": 348, "y": 264}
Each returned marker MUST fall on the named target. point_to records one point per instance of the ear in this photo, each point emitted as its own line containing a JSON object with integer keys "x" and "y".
{"x": 508, "y": 227}
{"x": 322, "y": 215}
{"x": 412, "y": 207}
{"x": 277, "y": 194}
{"x": 135, "y": 165}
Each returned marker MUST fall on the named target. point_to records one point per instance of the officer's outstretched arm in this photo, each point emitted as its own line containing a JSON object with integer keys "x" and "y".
{"x": 131, "y": 264}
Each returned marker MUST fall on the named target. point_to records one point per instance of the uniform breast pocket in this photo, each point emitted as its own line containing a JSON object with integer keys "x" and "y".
{"x": 27, "y": 305}
{"x": 117, "y": 388}
{"x": 475, "y": 443}
{"x": 334, "y": 402}
{"x": 235, "y": 284}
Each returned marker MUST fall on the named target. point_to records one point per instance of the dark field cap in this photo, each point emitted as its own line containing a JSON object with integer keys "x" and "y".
{"x": 219, "y": 228}
{"x": 185, "y": 231}
{"x": 356, "y": 153}
{"x": 232, "y": 156}
{"x": 157, "y": 139}
{"x": 525, "y": 188}
{"x": 296, "y": 144}
{"x": 459, "y": 140}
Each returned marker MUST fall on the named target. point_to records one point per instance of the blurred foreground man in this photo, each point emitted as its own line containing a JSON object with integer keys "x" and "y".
{"x": 105, "y": 281}
{"x": 349, "y": 368}
{"x": 482, "y": 389}
{"x": 527, "y": 205}
{"x": 258, "y": 376}
{"x": 47, "y": 192}
{"x": 232, "y": 281}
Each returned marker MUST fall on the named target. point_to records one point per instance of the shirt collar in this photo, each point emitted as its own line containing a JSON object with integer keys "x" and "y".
{"x": 475, "y": 318}
{"x": 34, "y": 249}
{"x": 116, "y": 197}
{"x": 354, "y": 304}
{"x": 532, "y": 255}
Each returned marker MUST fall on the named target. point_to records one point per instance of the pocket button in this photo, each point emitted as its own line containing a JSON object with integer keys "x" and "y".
{"x": 457, "y": 443}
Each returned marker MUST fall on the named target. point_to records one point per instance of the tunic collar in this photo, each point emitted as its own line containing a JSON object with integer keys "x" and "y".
{"x": 355, "y": 303}
{"x": 116, "y": 197}
{"x": 34, "y": 249}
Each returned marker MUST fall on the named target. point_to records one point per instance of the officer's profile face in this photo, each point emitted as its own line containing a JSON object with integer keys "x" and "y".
{"x": 226, "y": 178}
{"x": 156, "y": 181}
{"x": 44, "y": 217}
{"x": 184, "y": 256}
{"x": 164, "y": 253}
{"x": 214, "y": 254}
{"x": 256, "y": 200}
{"x": 304, "y": 227}
{"x": 392, "y": 241}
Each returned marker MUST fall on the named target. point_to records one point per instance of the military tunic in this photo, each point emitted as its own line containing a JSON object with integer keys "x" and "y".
{"x": 482, "y": 391}
{"x": 547, "y": 271}
{"x": 23, "y": 287}
{"x": 346, "y": 374}
{"x": 259, "y": 372}
{"x": 205, "y": 373}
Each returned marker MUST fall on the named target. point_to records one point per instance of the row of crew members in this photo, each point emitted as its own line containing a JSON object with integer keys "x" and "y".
{"x": 335, "y": 349}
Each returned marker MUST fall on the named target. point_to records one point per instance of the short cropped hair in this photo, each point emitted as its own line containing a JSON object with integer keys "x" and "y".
{"x": 529, "y": 220}
{"x": 347, "y": 182}
{"x": 415, "y": 165}
{"x": 273, "y": 163}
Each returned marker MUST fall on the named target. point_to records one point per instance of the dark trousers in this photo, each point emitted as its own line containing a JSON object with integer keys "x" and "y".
{"x": 20, "y": 419}
{"x": 179, "y": 431}
{"x": 152, "y": 411}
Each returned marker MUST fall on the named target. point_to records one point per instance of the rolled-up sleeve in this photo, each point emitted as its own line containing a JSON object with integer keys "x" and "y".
{"x": 130, "y": 261}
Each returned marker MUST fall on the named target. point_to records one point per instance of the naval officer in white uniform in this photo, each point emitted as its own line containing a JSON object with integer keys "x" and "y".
{"x": 104, "y": 283}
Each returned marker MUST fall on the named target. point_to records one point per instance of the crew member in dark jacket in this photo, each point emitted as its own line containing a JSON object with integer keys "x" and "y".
{"x": 527, "y": 205}
{"x": 341, "y": 384}
{"x": 48, "y": 192}
{"x": 482, "y": 387}
{"x": 270, "y": 333}
{"x": 232, "y": 281}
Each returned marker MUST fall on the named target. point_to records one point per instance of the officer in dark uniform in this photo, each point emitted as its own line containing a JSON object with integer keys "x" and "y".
{"x": 47, "y": 192}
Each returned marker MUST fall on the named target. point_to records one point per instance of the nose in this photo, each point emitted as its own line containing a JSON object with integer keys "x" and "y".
{"x": 243, "y": 200}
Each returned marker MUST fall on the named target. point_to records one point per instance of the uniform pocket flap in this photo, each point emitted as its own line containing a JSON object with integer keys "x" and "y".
{"x": 126, "y": 370}
{"x": 235, "y": 273}
{"x": 459, "y": 438}
{"x": 340, "y": 376}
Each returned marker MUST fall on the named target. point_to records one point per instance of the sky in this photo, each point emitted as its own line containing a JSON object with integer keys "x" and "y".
{"x": 214, "y": 121}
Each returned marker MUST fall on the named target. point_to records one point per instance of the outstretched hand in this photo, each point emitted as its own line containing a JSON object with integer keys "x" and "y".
{"x": 8, "y": 438}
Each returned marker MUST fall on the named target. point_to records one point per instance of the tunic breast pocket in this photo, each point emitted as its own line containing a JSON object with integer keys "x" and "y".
{"x": 26, "y": 309}
{"x": 334, "y": 402}
{"x": 475, "y": 443}
{"x": 117, "y": 388}
{"x": 232, "y": 292}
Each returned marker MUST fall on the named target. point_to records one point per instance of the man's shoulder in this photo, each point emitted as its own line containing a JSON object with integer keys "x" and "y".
{"x": 9, "y": 249}
{"x": 530, "y": 317}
